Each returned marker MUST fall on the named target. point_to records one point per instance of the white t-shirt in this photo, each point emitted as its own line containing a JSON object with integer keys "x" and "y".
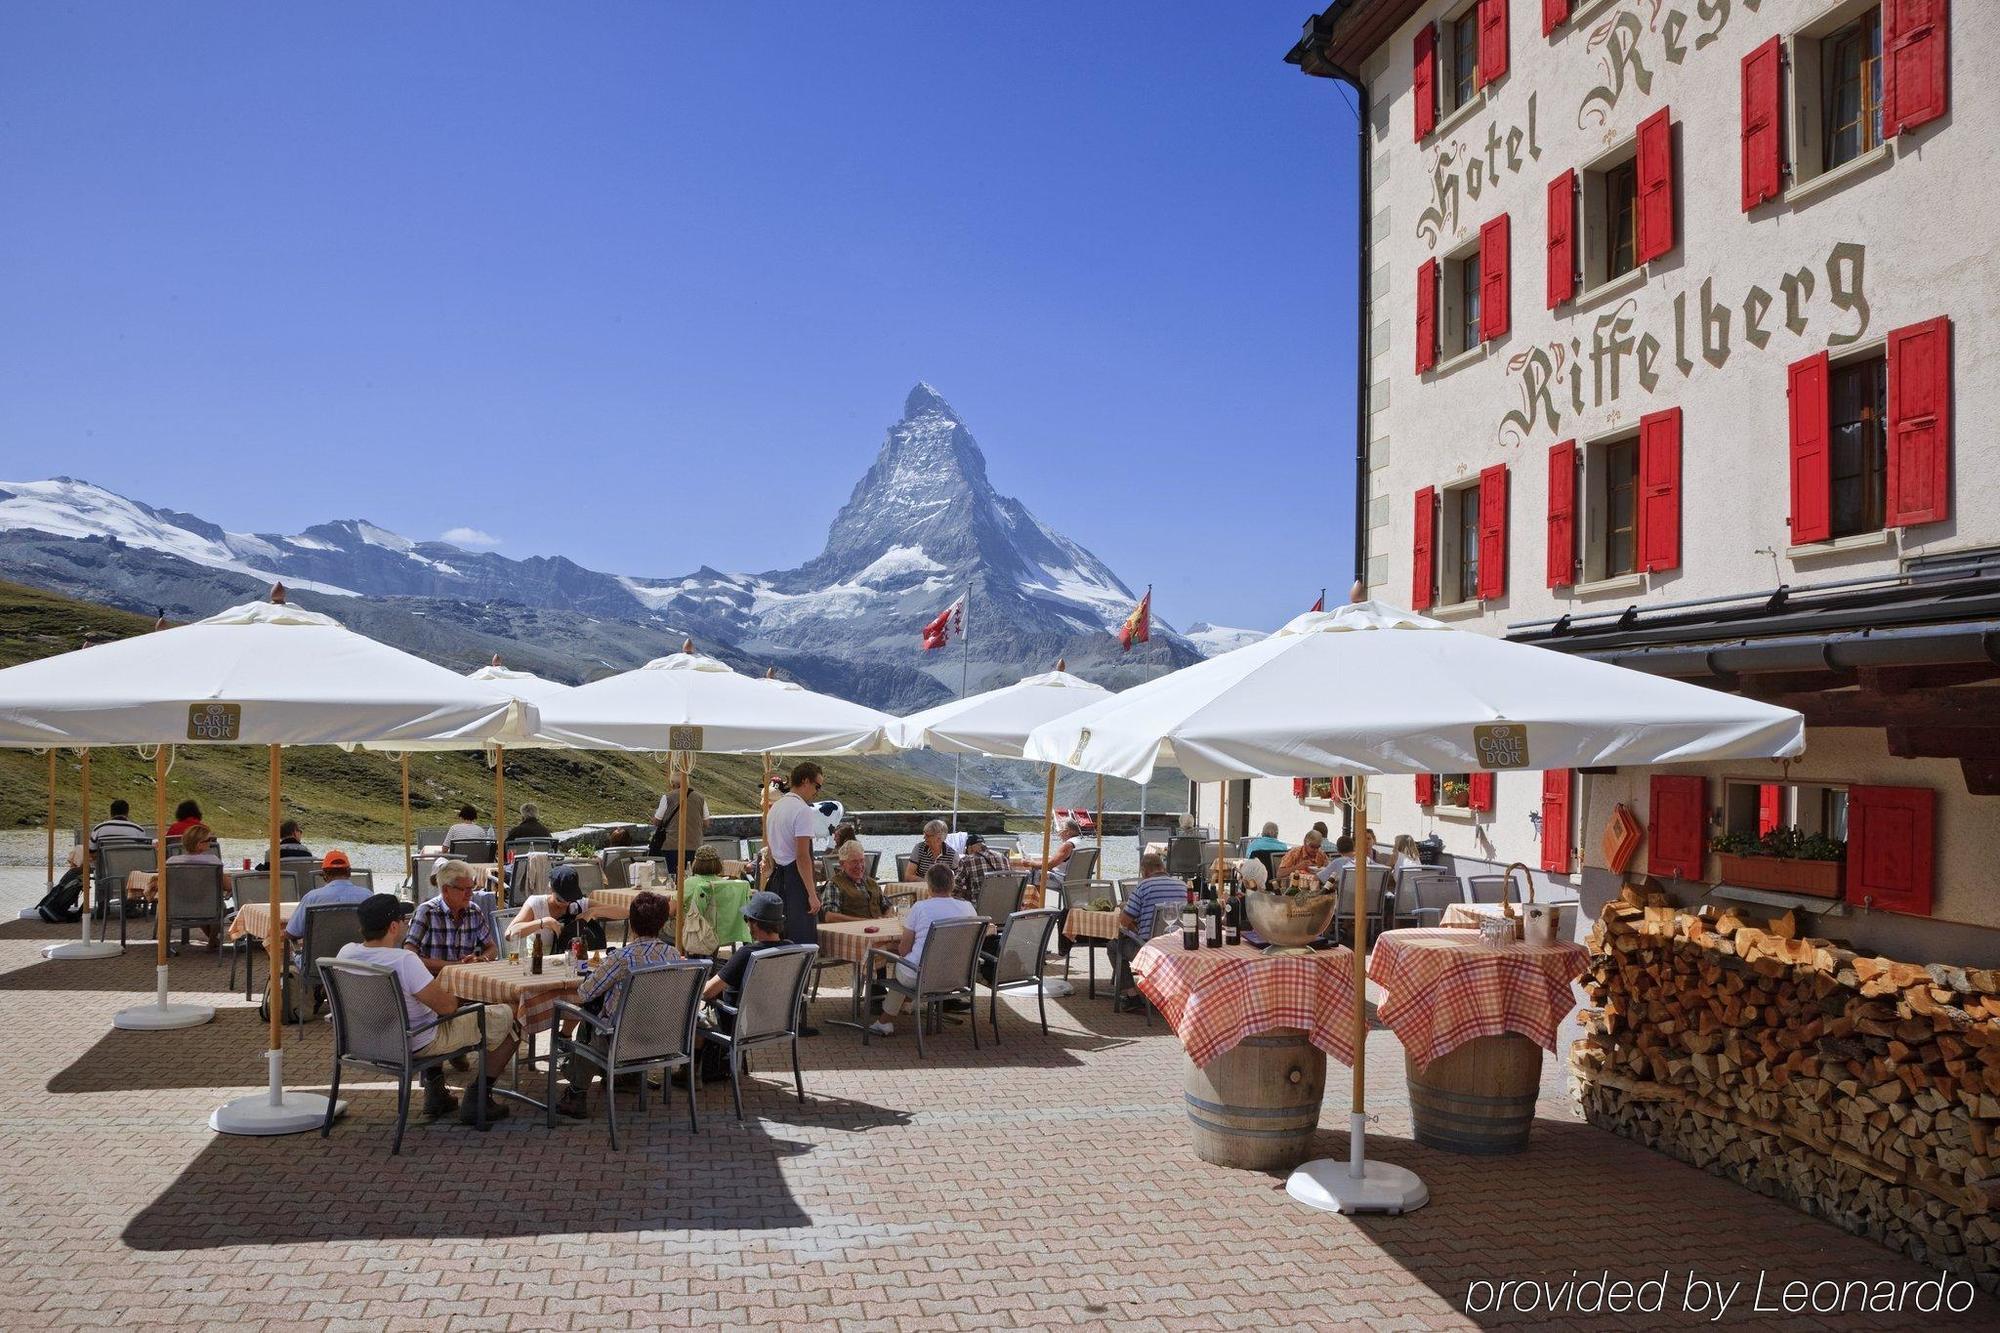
{"x": 457, "y": 831}
{"x": 791, "y": 819}
{"x": 541, "y": 905}
{"x": 927, "y": 912}
{"x": 411, "y": 974}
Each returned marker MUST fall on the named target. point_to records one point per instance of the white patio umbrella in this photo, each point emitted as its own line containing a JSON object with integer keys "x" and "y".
{"x": 687, "y": 703}
{"x": 1370, "y": 689}
{"x": 259, "y": 674}
{"x": 997, "y": 724}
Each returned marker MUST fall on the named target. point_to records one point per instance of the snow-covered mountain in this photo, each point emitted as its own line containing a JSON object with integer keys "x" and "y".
{"x": 922, "y": 525}
{"x": 1214, "y": 640}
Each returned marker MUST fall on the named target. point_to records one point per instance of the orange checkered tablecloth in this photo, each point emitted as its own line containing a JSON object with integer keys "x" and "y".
{"x": 254, "y": 920}
{"x": 616, "y": 904}
{"x": 533, "y": 998}
{"x": 1084, "y": 924}
{"x": 1214, "y": 998}
{"x": 1447, "y": 986}
{"x": 849, "y": 941}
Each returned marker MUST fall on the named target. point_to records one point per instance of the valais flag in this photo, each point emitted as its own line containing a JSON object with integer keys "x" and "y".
{"x": 1138, "y": 627}
{"x": 949, "y": 621}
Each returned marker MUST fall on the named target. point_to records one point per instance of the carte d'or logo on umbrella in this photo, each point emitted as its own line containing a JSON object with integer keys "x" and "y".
{"x": 683, "y": 738}
{"x": 215, "y": 722}
{"x": 1082, "y": 744}
{"x": 1502, "y": 745}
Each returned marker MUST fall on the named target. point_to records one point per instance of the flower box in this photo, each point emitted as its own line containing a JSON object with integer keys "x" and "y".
{"x": 1817, "y": 879}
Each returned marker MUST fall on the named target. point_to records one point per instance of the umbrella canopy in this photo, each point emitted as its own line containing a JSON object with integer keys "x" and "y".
{"x": 1371, "y": 689}
{"x": 687, "y": 701}
{"x": 997, "y": 722}
{"x": 258, "y": 674}
{"x": 521, "y": 684}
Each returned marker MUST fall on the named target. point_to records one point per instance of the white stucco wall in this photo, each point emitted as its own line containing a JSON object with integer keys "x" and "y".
{"x": 1907, "y": 239}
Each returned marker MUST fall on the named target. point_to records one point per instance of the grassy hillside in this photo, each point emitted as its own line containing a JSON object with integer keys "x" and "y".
{"x": 357, "y": 796}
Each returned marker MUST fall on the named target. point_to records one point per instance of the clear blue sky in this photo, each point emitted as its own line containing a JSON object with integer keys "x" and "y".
{"x": 535, "y": 268}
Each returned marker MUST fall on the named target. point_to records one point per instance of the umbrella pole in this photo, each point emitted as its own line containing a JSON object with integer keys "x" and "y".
{"x": 681, "y": 852}
{"x": 1102, "y": 873}
{"x": 52, "y": 816}
{"x": 409, "y": 867}
{"x": 1358, "y": 1185}
{"x": 500, "y": 802}
{"x": 764, "y": 824}
{"x": 272, "y": 1112}
{"x": 160, "y": 1014}
{"x": 1048, "y": 829}
{"x": 83, "y": 946}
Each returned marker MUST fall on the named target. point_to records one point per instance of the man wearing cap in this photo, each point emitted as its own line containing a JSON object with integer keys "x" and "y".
{"x": 451, "y": 928}
{"x": 382, "y": 937}
{"x": 339, "y": 891}
{"x": 974, "y": 865}
{"x": 765, "y": 915}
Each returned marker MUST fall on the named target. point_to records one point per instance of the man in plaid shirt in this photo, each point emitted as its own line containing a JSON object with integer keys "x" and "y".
{"x": 974, "y": 865}
{"x": 451, "y": 928}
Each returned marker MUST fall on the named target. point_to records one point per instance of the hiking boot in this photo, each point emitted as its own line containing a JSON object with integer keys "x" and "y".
{"x": 438, "y": 1100}
{"x": 468, "y": 1111}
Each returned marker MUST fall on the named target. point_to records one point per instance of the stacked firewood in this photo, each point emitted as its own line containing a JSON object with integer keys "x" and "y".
{"x": 1862, "y": 1090}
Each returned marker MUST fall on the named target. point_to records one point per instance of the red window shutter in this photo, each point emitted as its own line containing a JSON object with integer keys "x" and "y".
{"x": 1427, "y": 315}
{"x": 1492, "y": 40}
{"x": 1660, "y": 490}
{"x": 1555, "y": 13}
{"x": 1495, "y": 287}
{"x": 1426, "y": 789}
{"x": 1493, "y": 531}
{"x": 1337, "y": 788}
{"x": 1889, "y": 836}
{"x": 1562, "y": 239}
{"x": 1298, "y": 789}
{"x": 1919, "y": 480}
{"x": 1914, "y": 63}
{"x": 1423, "y": 81}
{"x": 1423, "y": 568}
{"x": 1479, "y": 791}
{"x": 1562, "y": 515}
{"x": 1763, "y": 162}
{"x": 1656, "y": 186}
{"x": 1811, "y": 450}
{"x": 1676, "y": 826}
{"x": 1770, "y": 798}
{"x": 1555, "y": 821}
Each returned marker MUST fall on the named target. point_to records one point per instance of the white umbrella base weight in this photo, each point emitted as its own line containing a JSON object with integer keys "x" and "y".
{"x": 1357, "y": 1185}
{"x": 273, "y": 1111}
{"x": 161, "y": 1015}
{"x": 83, "y": 949}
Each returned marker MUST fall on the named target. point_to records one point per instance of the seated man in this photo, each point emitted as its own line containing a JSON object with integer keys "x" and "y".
{"x": 339, "y": 890}
{"x": 1155, "y": 889}
{"x": 856, "y": 896}
{"x": 975, "y": 865}
{"x": 931, "y": 850}
{"x": 382, "y": 934}
{"x": 1266, "y": 841}
{"x": 1343, "y": 859}
{"x": 118, "y": 828}
{"x": 451, "y": 928}
{"x": 531, "y": 825}
{"x": 764, "y": 914}
{"x": 1307, "y": 857}
{"x": 290, "y": 848}
{"x": 937, "y": 904}
{"x": 603, "y": 991}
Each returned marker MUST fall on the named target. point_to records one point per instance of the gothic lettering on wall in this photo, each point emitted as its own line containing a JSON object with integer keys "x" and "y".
{"x": 1648, "y": 31}
{"x": 1560, "y": 380}
{"x": 1457, "y": 167}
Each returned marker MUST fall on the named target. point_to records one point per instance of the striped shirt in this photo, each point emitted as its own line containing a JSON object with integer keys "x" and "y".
{"x": 1151, "y": 893}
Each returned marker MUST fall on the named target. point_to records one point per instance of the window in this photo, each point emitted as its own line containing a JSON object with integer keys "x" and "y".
{"x": 1458, "y": 544}
{"x": 1859, "y": 450}
{"x": 1851, "y": 96}
{"x": 1458, "y": 302}
{"x": 1461, "y": 56}
{"x": 1468, "y": 302}
{"x": 1611, "y": 508}
{"x": 1751, "y": 810}
{"x": 1621, "y": 219}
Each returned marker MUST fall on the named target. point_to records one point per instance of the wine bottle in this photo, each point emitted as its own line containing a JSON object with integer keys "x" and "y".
{"x": 1190, "y": 924}
{"x": 535, "y": 958}
{"x": 1215, "y": 920}
{"x": 1234, "y": 931}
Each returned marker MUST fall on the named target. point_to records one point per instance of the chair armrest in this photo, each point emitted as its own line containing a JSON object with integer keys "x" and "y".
{"x": 892, "y": 958}
{"x": 564, "y": 1009}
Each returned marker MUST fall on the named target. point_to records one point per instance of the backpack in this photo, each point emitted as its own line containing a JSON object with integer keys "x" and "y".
{"x": 698, "y": 937}
{"x": 290, "y": 988}
{"x": 59, "y": 905}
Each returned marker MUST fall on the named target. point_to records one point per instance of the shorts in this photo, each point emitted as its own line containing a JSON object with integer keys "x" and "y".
{"x": 463, "y": 1030}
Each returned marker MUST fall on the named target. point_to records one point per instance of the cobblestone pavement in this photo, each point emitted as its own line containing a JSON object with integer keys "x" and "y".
{"x": 1046, "y": 1183}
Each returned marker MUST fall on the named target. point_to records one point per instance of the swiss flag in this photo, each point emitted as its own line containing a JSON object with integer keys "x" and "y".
{"x": 1138, "y": 627}
{"x": 949, "y": 621}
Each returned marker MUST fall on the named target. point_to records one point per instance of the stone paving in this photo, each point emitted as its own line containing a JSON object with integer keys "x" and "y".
{"x": 1045, "y": 1183}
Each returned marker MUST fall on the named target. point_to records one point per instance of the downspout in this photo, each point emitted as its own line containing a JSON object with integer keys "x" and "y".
{"x": 1361, "y": 357}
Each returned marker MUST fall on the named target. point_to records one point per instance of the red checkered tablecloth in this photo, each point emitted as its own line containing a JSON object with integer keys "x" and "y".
{"x": 1447, "y": 986}
{"x": 1215, "y": 998}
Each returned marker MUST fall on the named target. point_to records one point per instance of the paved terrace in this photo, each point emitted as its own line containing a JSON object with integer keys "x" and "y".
{"x": 1045, "y": 1184}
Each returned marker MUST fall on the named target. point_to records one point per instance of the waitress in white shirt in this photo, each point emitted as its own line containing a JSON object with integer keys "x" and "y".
{"x": 789, "y": 836}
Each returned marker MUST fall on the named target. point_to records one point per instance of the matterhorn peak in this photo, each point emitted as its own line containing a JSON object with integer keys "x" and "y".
{"x": 924, "y": 399}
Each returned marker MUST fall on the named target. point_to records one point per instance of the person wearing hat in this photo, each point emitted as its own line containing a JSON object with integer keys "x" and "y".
{"x": 340, "y": 890}
{"x": 554, "y": 915}
{"x": 974, "y": 865}
{"x": 764, "y": 913}
{"x": 382, "y": 931}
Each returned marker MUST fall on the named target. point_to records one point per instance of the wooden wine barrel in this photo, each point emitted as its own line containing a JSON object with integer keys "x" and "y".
{"x": 1479, "y": 1098}
{"x": 1256, "y": 1106}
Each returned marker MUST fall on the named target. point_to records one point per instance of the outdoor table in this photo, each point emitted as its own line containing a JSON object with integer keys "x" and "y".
{"x": 1474, "y": 1019}
{"x": 1092, "y": 929}
{"x": 1471, "y": 914}
{"x": 849, "y": 942}
{"x": 254, "y": 920}
{"x": 532, "y": 998}
{"x": 616, "y": 904}
{"x": 1256, "y": 1029}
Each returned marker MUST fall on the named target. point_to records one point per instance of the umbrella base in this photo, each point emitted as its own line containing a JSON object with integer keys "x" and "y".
{"x": 1330, "y": 1185}
{"x": 161, "y": 1017}
{"x": 298, "y": 1113}
{"x": 83, "y": 949}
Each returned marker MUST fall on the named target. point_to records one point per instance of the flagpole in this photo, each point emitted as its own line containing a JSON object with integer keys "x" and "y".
{"x": 964, "y": 675}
